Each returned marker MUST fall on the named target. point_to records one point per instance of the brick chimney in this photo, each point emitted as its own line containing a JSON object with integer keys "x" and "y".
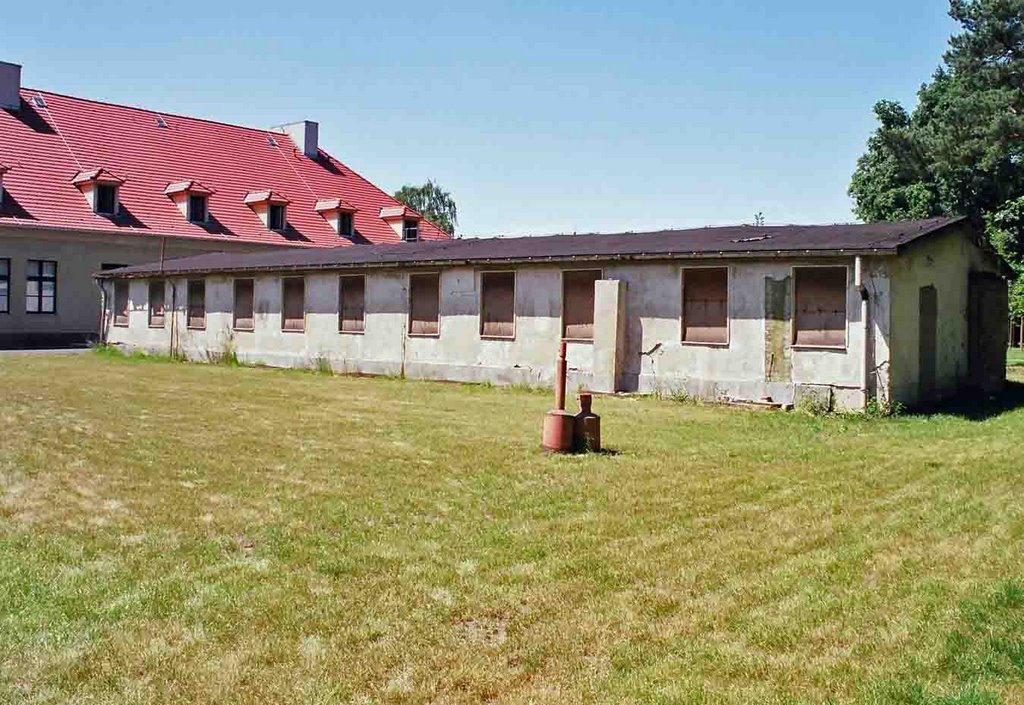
{"x": 305, "y": 134}
{"x": 10, "y": 85}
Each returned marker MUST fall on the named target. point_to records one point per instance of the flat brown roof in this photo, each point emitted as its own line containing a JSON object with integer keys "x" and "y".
{"x": 725, "y": 242}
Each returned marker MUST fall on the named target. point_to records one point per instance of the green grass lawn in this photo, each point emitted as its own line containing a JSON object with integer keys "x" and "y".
{"x": 176, "y": 533}
{"x": 1015, "y": 358}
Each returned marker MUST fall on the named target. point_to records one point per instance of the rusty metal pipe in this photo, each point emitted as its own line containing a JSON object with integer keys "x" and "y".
{"x": 560, "y": 371}
{"x": 558, "y": 423}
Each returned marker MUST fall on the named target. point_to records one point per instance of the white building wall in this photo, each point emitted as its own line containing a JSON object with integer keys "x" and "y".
{"x": 79, "y": 256}
{"x": 945, "y": 262}
{"x": 651, "y": 358}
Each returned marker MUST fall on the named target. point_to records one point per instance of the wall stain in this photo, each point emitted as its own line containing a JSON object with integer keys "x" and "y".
{"x": 778, "y": 314}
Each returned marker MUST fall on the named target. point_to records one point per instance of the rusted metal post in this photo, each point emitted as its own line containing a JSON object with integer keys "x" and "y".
{"x": 558, "y": 423}
{"x": 560, "y": 372}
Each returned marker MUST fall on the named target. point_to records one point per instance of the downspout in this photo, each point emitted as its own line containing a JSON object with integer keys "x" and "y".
{"x": 103, "y": 311}
{"x": 865, "y": 367}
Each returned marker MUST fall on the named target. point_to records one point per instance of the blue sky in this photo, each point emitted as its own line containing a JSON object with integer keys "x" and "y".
{"x": 539, "y": 117}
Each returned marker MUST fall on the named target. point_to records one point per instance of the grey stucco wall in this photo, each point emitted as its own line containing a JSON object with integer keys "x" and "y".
{"x": 944, "y": 261}
{"x": 78, "y": 257}
{"x": 650, "y": 355}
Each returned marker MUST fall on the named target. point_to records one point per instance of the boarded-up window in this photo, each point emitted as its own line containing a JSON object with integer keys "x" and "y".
{"x": 242, "y": 313}
{"x": 196, "y": 303}
{"x": 706, "y": 305}
{"x": 351, "y": 304}
{"x": 497, "y": 304}
{"x": 424, "y": 304}
{"x": 293, "y": 304}
{"x": 820, "y": 306}
{"x": 120, "y": 303}
{"x": 578, "y": 304}
{"x": 156, "y": 304}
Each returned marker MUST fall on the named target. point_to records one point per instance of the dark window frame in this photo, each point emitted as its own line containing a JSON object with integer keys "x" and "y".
{"x": 5, "y": 278}
{"x": 122, "y": 315}
{"x": 728, "y": 316}
{"x": 272, "y": 223}
{"x": 346, "y": 223}
{"x": 99, "y": 206}
{"x": 161, "y": 286}
{"x": 562, "y": 323}
{"x": 188, "y": 304}
{"x": 437, "y": 320}
{"x": 284, "y": 317}
{"x": 410, "y": 230}
{"x": 797, "y": 345}
{"x": 193, "y": 200}
{"x": 234, "y": 305}
{"x": 341, "y": 305}
{"x": 40, "y": 279}
{"x": 483, "y": 303}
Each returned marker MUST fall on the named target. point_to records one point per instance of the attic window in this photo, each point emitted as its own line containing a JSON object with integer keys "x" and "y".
{"x": 411, "y": 230}
{"x": 276, "y": 219}
{"x": 345, "y": 224}
{"x": 197, "y": 208}
{"x": 106, "y": 199}
{"x": 339, "y": 213}
{"x": 101, "y": 190}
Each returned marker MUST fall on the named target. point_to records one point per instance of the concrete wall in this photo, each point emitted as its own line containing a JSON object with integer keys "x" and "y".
{"x": 636, "y": 344}
{"x": 945, "y": 262}
{"x": 78, "y": 257}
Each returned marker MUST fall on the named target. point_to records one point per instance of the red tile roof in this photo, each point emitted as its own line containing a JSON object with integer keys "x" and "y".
{"x": 47, "y": 147}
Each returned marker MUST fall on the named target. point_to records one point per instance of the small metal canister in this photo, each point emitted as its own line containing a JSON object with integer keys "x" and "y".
{"x": 586, "y": 436}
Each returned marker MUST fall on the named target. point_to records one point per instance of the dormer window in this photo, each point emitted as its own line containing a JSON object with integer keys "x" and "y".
{"x": 339, "y": 213}
{"x": 276, "y": 218}
{"x": 410, "y": 230}
{"x": 403, "y": 220}
{"x": 271, "y": 207}
{"x": 196, "y": 208}
{"x": 102, "y": 189}
{"x": 106, "y": 199}
{"x": 192, "y": 199}
{"x": 3, "y": 170}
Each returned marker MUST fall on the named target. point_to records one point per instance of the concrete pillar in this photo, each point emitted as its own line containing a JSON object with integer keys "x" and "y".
{"x": 609, "y": 334}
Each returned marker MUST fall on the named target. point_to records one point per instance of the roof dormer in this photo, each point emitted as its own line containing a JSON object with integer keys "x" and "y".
{"x": 192, "y": 199}
{"x": 3, "y": 170}
{"x": 271, "y": 207}
{"x": 403, "y": 220}
{"x": 101, "y": 189}
{"x": 339, "y": 213}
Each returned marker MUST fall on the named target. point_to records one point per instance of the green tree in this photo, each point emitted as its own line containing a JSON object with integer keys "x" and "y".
{"x": 961, "y": 151}
{"x": 432, "y": 202}
{"x": 1005, "y": 229}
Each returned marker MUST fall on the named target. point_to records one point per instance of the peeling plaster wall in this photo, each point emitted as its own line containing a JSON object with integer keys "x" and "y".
{"x": 945, "y": 262}
{"x": 649, "y": 354}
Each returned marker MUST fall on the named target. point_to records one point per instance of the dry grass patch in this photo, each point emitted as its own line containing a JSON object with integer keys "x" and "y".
{"x": 183, "y": 533}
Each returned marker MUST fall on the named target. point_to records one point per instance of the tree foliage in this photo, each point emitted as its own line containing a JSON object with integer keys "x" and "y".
{"x": 961, "y": 151}
{"x": 1005, "y": 229}
{"x": 432, "y": 202}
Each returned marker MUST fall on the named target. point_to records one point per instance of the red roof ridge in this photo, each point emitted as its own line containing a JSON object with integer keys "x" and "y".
{"x": 151, "y": 111}
{"x": 98, "y": 174}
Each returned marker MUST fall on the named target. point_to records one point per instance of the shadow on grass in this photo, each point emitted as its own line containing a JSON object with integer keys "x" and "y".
{"x": 978, "y": 408}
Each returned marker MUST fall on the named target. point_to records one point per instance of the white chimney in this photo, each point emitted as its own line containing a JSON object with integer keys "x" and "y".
{"x": 305, "y": 134}
{"x": 10, "y": 85}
